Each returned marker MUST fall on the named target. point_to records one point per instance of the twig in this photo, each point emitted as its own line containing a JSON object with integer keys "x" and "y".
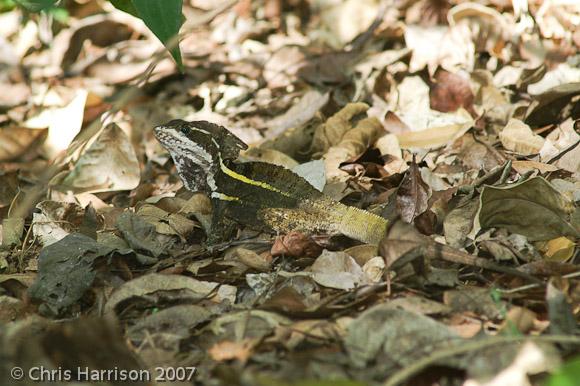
{"x": 452, "y": 255}
{"x": 535, "y": 285}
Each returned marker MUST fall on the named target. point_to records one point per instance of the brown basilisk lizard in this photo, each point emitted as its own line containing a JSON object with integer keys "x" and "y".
{"x": 269, "y": 197}
{"x": 257, "y": 194}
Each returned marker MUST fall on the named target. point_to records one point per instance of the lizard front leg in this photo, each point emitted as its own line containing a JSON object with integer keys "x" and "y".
{"x": 222, "y": 225}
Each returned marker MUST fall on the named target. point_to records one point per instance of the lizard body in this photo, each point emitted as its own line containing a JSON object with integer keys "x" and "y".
{"x": 257, "y": 194}
{"x": 272, "y": 198}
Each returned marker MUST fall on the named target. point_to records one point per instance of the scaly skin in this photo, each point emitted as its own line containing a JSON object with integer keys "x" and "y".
{"x": 257, "y": 194}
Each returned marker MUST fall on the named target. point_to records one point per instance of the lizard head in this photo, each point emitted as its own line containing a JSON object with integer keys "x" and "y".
{"x": 197, "y": 148}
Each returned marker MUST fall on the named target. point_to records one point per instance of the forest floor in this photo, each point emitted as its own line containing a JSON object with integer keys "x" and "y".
{"x": 458, "y": 122}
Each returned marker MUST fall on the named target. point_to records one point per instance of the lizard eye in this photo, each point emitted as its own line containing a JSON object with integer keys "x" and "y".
{"x": 184, "y": 129}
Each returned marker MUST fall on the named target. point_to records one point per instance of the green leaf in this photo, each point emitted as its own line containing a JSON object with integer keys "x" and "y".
{"x": 6, "y": 5}
{"x": 533, "y": 208}
{"x": 36, "y": 5}
{"x": 567, "y": 375}
{"x": 163, "y": 18}
{"x": 125, "y": 6}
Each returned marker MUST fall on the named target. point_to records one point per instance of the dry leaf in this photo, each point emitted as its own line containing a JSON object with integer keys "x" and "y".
{"x": 296, "y": 244}
{"x": 109, "y": 164}
{"x": 413, "y": 195}
{"x": 519, "y": 138}
{"x": 338, "y": 270}
{"x": 15, "y": 141}
{"x": 226, "y": 350}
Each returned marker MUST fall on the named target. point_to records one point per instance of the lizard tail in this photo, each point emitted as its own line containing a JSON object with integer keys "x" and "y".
{"x": 361, "y": 225}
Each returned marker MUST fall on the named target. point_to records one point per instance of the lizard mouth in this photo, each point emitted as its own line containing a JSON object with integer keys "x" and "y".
{"x": 162, "y": 135}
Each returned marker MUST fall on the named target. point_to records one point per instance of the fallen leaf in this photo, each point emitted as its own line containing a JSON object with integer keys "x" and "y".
{"x": 413, "y": 194}
{"x": 109, "y": 164}
{"x": 338, "y": 270}
{"x": 147, "y": 286}
{"x": 299, "y": 114}
{"x": 66, "y": 271}
{"x": 554, "y": 105}
{"x": 12, "y": 230}
{"x": 175, "y": 321}
{"x": 450, "y": 92}
{"x": 478, "y": 300}
{"x": 295, "y": 244}
{"x": 250, "y": 258}
{"x": 63, "y": 124}
{"x": 55, "y": 220}
{"x": 384, "y": 331}
{"x": 519, "y": 138}
{"x": 226, "y": 350}
{"x": 166, "y": 223}
{"x": 140, "y": 234}
{"x": 313, "y": 172}
{"x": 560, "y": 249}
{"x": 532, "y": 208}
{"x": 15, "y": 141}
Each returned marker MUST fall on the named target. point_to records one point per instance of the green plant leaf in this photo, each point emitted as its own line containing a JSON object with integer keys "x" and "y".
{"x": 6, "y": 5}
{"x": 567, "y": 375}
{"x": 125, "y": 6}
{"x": 36, "y": 5}
{"x": 163, "y": 18}
{"x": 533, "y": 208}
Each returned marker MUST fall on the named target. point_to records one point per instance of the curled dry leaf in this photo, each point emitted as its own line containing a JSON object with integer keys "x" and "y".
{"x": 362, "y": 253}
{"x": 401, "y": 246}
{"x": 562, "y": 147}
{"x": 353, "y": 144}
{"x": 347, "y": 19}
{"x": 228, "y": 350}
{"x": 101, "y": 30}
{"x": 271, "y": 156}
{"x": 390, "y": 149}
{"x": 295, "y": 244}
{"x": 427, "y": 45}
{"x": 333, "y": 130}
{"x": 374, "y": 269}
{"x": 13, "y": 94}
{"x": 413, "y": 194}
{"x": 428, "y": 128}
{"x": 519, "y": 138}
{"x": 450, "y": 92}
{"x": 261, "y": 262}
